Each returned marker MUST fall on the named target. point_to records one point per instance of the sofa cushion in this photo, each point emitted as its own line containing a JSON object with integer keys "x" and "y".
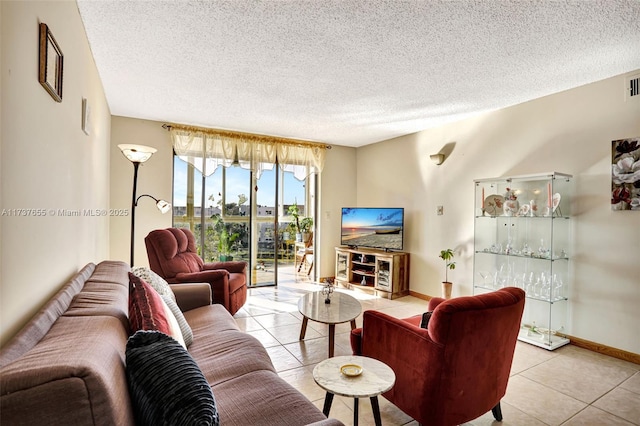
{"x": 40, "y": 324}
{"x": 273, "y": 402}
{"x": 185, "y": 329}
{"x": 158, "y": 283}
{"x": 75, "y": 375}
{"x": 146, "y": 308}
{"x": 165, "y": 383}
{"x": 221, "y": 350}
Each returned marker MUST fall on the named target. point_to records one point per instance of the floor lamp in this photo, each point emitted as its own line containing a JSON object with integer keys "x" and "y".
{"x": 138, "y": 154}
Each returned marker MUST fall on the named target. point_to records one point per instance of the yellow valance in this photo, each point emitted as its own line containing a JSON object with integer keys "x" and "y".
{"x": 207, "y": 149}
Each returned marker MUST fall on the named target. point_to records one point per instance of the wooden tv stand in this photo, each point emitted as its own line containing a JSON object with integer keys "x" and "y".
{"x": 376, "y": 272}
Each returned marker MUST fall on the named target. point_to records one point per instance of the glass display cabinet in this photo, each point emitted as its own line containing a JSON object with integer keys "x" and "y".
{"x": 522, "y": 238}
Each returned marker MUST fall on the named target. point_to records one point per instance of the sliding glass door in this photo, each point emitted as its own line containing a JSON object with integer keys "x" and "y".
{"x": 245, "y": 217}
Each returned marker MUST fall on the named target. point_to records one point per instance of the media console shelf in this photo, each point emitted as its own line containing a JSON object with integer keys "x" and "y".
{"x": 376, "y": 272}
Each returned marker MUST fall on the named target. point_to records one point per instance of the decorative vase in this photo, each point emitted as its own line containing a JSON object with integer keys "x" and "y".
{"x": 446, "y": 289}
{"x": 511, "y": 207}
{"x": 327, "y": 290}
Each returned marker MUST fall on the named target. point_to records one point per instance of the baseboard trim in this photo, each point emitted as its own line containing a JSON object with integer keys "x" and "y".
{"x": 603, "y": 349}
{"x": 576, "y": 341}
{"x": 420, "y": 295}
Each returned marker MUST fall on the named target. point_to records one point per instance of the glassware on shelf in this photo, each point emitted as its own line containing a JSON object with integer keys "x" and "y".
{"x": 527, "y": 281}
{"x": 485, "y": 275}
{"x": 503, "y": 276}
{"x": 508, "y": 247}
{"x": 545, "y": 287}
{"x": 543, "y": 251}
{"x": 558, "y": 288}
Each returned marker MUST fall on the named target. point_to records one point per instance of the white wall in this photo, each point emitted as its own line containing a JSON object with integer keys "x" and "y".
{"x": 47, "y": 162}
{"x": 337, "y": 189}
{"x": 569, "y": 132}
{"x": 155, "y": 177}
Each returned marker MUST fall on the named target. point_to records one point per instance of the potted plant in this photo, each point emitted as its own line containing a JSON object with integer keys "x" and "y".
{"x": 306, "y": 224}
{"x": 225, "y": 244}
{"x": 225, "y": 239}
{"x": 447, "y": 256}
{"x": 300, "y": 226}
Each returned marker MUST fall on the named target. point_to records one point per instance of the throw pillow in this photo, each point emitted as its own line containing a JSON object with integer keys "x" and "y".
{"x": 154, "y": 280}
{"x": 166, "y": 385}
{"x": 174, "y": 326}
{"x": 185, "y": 329}
{"x": 146, "y": 307}
{"x": 425, "y": 319}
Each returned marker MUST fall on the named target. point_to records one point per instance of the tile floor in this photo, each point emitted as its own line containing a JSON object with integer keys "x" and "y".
{"x": 569, "y": 386}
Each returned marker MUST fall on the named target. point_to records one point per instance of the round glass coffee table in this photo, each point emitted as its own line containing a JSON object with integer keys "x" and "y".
{"x": 343, "y": 308}
{"x": 354, "y": 377}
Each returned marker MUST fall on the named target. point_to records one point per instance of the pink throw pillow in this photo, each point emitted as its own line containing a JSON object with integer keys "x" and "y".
{"x": 146, "y": 307}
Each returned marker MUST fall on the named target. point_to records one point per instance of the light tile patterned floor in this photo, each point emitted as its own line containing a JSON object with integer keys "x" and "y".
{"x": 569, "y": 386}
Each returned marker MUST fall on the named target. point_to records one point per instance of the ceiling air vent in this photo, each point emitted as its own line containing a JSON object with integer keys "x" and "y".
{"x": 633, "y": 86}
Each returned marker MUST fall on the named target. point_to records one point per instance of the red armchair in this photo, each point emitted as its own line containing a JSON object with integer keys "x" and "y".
{"x": 455, "y": 370}
{"x": 172, "y": 255}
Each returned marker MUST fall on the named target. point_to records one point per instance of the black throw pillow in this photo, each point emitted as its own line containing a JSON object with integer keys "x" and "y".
{"x": 425, "y": 319}
{"x": 165, "y": 383}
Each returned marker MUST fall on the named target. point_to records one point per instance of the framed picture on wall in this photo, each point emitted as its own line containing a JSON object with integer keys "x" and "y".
{"x": 625, "y": 174}
{"x": 51, "y": 64}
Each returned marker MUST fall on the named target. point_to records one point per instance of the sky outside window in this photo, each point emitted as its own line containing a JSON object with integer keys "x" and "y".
{"x": 236, "y": 185}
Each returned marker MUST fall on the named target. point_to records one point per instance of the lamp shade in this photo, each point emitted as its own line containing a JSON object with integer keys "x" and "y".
{"x": 137, "y": 153}
{"x": 163, "y": 206}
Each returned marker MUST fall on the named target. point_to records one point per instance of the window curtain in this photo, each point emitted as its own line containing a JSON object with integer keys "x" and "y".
{"x": 208, "y": 149}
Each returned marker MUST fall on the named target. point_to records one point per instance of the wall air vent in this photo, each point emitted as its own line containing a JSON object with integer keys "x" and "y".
{"x": 632, "y": 88}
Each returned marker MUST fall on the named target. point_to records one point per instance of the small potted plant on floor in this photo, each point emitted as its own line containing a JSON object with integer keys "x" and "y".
{"x": 447, "y": 256}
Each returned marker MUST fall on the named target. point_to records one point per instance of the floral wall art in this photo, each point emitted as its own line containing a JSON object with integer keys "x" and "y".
{"x": 625, "y": 174}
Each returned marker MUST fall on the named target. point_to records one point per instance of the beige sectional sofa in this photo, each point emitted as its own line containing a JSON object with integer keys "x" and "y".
{"x": 67, "y": 365}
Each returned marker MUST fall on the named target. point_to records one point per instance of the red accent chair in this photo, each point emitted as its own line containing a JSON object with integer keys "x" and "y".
{"x": 172, "y": 255}
{"x": 457, "y": 368}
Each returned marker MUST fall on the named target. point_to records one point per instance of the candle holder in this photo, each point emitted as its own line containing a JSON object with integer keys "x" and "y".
{"x": 327, "y": 289}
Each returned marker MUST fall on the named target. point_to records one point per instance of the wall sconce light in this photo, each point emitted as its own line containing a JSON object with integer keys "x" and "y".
{"x": 437, "y": 159}
{"x": 139, "y": 154}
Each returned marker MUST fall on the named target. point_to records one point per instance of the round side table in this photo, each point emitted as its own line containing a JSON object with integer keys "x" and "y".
{"x": 343, "y": 308}
{"x": 376, "y": 378}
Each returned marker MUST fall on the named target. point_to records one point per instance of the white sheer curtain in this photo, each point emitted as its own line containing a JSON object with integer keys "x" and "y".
{"x": 207, "y": 149}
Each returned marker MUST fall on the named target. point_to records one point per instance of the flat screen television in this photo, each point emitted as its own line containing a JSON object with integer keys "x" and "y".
{"x": 374, "y": 227}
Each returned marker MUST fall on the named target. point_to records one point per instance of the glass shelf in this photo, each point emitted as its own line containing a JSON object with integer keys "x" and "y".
{"x": 522, "y": 256}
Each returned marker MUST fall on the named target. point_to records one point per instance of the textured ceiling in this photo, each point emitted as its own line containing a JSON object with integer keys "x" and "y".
{"x": 349, "y": 72}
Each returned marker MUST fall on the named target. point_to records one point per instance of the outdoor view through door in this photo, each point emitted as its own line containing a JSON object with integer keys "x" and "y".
{"x": 241, "y": 214}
